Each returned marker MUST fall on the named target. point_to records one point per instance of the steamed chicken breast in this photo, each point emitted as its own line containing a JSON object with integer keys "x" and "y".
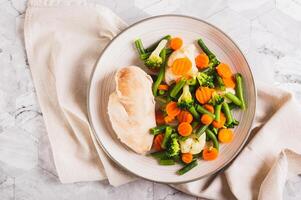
{"x": 131, "y": 108}
{"x": 184, "y": 52}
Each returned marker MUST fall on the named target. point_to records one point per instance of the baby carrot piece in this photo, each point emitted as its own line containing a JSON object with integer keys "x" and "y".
{"x": 185, "y": 129}
{"x": 163, "y": 87}
{"x": 158, "y": 141}
{"x": 176, "y": 43}
{"x": 210, "y": 153}
{"x": 187, "y": 157}
{"x": 229, "y": 82}
{"x": 221, "y": 123}
{"x": 159, "y": 118}
{"x": 203, "y": 94}
{"x": 172, "y": 109}
{"x": 202, "y": 61}
{"x": 185, "y": 116}
{"x": 168, "y": 119}
{"x": 225, "y": 135}
{"x": 209, "y": 107}
{"x": 206, "y": 119}
{"x": 181, "y": 66}
{"x": 224, "y": 70}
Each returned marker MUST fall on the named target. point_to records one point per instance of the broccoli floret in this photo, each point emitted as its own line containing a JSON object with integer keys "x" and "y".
{"x": 172, "y": 147}
{"x": 205, "y": 80}
{"x": 185, "y": 100}
{"x": 154, "y": 60}
{"x": 216, "y": 99}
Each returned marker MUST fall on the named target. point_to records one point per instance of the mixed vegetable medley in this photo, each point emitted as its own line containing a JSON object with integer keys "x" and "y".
{"x": 195, "y": 96}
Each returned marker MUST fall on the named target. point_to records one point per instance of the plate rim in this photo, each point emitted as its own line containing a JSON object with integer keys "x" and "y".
{"x": 219, "y": 169}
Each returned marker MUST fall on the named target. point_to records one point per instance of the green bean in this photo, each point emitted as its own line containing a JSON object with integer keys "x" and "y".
{"x": 239, "y": 90}
{"x": 205, "y": 49}
{"x": 215, "y": 130}
{"x": 201, "y": 130}
{"x": 176, "y": 89}
{"x": 166, "y": 162}
{"x": 228, "y": 113}
{"x": 220, "y": 83}
{"x": 187, "y": 167}
{"x": 154, "y": 46}
{"x": 139, "y": 46}
{"x": 161, "y": 73}
{"x": 202, "y": 110}
{"x": 161, "y": 92}
{"x": 166, "y": 137}
{"x": 158, "y": 129}
{"x": 233, "y": 98}
{"x": 159, "y": 154}
{"x": 194, "y": 124}
{"x": 213, "y": 138}
{"x": 217, "y": 112}
{"x": 194, "y": 113}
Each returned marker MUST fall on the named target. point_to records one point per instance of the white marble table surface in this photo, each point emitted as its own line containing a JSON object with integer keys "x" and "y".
{"x": 268, "y": 32}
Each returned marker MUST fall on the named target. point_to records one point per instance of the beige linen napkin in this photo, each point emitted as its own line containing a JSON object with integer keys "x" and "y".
{"x": 63, "y": 42}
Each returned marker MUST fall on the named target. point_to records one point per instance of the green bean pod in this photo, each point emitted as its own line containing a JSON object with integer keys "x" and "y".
{"x": 160, "y": 74}
{"x": 217, "y": 112}
{"x": 228, "y": 113}
{"x": 194, "y": 113}
{"x": 158, "y": 129}
{"x": 201, "y": 130}
{"x": 167, "y": 134}
{"x": 176, "y": 89}
{"x": 233, "y": 98}
{"x": 166, "y": 162}
{"x": 239, "y": 90}
{"x": 187, "y": 167}
{"x": 202, "y": 110}
{"x": 213, "y": 138}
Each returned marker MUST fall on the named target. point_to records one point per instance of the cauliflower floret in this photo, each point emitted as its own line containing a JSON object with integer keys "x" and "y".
{"x": 193, "y": 144}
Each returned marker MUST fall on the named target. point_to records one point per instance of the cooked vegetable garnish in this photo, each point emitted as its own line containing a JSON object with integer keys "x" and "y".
{"x": 188, "y": 167}
{"x": 187, "y": 157}
{"x": 210, "y": 153}
{"x": 176, "y": 43}
{"x": 160, "y": 76}
{"x": 203, "y": 94}
{"x": 206, "y": 119}
{"x": 239, "y": 90}
{"x": 202, "y": 110}
{"x": 184, "y": 129}
{"x": 155, "y": 60}
{"x": 194, "y": 102}
{"x": 166, "y": 162}
{"x": 185, "y": 116}
{"x": 181, "y": 66}
{"x": 225, "y": 135}
{"x": 168, "y": 132}
{"x": 202, "y": 61}
{"x": 172, "y": 109}
{"x": 158, "y": 142}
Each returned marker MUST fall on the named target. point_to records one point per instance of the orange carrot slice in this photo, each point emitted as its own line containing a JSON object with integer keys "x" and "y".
{"x": 176, "y": 43}
{"x": 186, "y": 157}
{"x": 210, "y": 153}
{"x": 172, "y": 109}
{"x": 209, "y": 107}
{"x": 224, "y": 70}
{"x": 184, "y": 129}
{"x": 221, "y": 123}
{"x": 181, "y": 66}
{"x": 163, "y": 87}
{"x": 158, "y": 141}
{"x": 202, "y": 61}
{"x": 203, "y": 94}
{"x": 229, "y": 82}
{"x": 206, "y": 119}
{"x": 185, "y": 116}
{"x": 225, "y": 135}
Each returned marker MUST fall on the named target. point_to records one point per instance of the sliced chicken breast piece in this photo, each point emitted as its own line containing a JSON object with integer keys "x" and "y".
{"x": 131, "y": 108}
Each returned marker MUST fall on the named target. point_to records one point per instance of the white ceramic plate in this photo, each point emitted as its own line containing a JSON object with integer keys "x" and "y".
{"x": 121, "y": 52}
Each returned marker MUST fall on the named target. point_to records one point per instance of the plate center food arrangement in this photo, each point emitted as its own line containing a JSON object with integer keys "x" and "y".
{"x": 174, "y": 105}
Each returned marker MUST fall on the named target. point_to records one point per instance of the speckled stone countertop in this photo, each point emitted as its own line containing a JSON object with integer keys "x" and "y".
{"x": 267, "y": 31}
